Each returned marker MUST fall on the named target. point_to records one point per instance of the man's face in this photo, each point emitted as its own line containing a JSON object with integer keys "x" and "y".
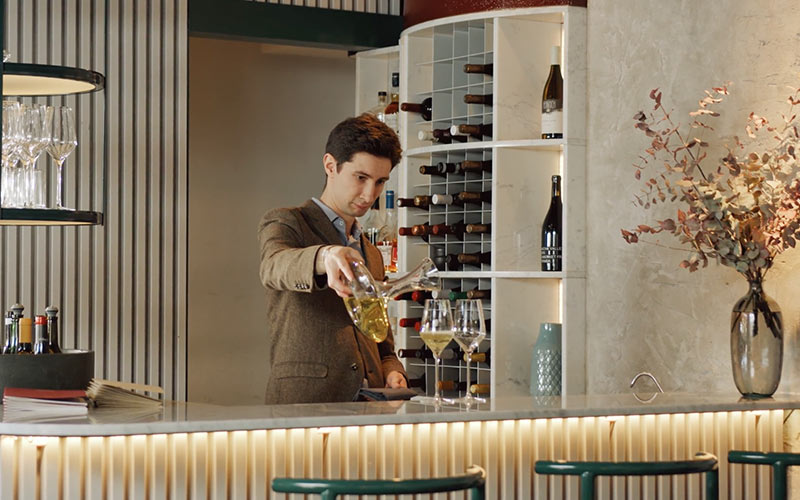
{"x": 359, "y": 182}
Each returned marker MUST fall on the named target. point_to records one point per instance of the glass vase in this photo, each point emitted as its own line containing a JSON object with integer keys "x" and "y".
{"x": 756, "y": 343}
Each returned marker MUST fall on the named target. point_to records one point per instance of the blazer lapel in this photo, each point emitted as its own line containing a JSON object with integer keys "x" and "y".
{"x": 320, "y": 223}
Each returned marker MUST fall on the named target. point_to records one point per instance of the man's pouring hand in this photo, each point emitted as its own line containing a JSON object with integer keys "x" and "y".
{"x": 336, "y": 261}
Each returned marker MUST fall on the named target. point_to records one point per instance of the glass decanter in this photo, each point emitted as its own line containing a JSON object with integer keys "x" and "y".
{"x": 369, "y": 303}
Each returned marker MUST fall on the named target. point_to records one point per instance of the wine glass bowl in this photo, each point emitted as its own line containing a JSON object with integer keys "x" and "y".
{"x": 469, "y": 330}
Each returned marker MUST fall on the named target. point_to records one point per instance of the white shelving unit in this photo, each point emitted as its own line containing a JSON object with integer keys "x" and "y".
{"x": 431, "y": 57}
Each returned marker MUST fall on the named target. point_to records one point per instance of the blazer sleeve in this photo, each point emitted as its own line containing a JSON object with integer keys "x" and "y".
{"x": 286, "y": 263}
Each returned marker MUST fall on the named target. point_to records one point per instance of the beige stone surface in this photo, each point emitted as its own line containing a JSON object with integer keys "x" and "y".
{"x": 643, "y": 312}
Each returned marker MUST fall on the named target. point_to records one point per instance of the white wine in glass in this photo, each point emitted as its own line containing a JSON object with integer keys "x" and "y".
{"x": 436, "y": 330}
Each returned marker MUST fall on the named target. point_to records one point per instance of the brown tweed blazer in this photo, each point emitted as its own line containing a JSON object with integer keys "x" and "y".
{"x": 317, "y": 354}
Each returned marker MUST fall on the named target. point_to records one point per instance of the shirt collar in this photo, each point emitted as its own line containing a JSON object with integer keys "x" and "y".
{"x": 339, "y": 223}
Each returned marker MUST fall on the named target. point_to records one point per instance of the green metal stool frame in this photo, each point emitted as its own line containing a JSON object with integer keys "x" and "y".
{"x": 779, "y": 462}
{"x": 588, "y": 471}
{"x": 473, "y": 480}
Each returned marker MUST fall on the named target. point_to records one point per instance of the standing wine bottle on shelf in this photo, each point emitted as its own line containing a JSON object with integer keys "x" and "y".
{"x": 25, "y": 336}
{"x": 52, "y": 328}
{"x": 42, "y": 344}
{"x": 440, "y": 135}
{"x": 379, "y": 109}
{"x": 552, "y": 240}
{"x": 479, "y": 99}
{"x": 12, "y": 344}
{"x": 371, "y": 222}
{"x": 425, "y": 108}
{"x": 390, "y": 114}
{"x": 485, "y": 69}
{"x": 553, "y": 99}
{"x": 479, "y": 131}
{"x": 387, "y": 236}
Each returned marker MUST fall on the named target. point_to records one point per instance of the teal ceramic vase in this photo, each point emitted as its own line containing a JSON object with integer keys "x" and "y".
{"x": 546, "y": 361}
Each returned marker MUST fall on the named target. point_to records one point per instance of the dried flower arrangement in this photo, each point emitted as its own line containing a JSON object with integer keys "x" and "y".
{"x": 744, "y": 209}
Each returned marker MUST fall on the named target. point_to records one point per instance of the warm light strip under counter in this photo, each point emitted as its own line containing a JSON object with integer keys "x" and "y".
{"x": 241, "y": 464}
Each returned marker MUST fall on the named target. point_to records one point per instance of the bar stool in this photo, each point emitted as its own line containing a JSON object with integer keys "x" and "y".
{"x": 473, "y": 480}
{"x": 778, "y": 461}
{"x": 703, "y": 462}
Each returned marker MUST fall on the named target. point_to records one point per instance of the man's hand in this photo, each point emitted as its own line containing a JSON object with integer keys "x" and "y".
{"x": 334, "y": 261}
{"x": 395, "y": 379}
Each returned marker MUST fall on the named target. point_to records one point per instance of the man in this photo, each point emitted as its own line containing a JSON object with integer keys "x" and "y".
{"x": 317, "y": 353}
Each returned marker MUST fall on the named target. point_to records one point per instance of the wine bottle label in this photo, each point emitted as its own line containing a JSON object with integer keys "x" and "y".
{"x": 386, "y": 252}
{"x": 552, "y": 118}
{"x": 551, "y": 258}
{"x": 390, "y": 119}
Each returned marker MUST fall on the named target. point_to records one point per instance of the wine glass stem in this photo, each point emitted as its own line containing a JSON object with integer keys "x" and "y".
{"x": 436, "y": 396}
{"x": 468, "y": 395}
{"x": 59, "y": 203}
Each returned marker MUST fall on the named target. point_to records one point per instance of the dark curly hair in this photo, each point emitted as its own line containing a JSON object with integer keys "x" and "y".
{"x": 363, "y": 134}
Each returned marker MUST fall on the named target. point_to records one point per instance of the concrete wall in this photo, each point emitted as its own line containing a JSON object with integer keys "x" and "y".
{"x": 644, "y": 313}
{"x": 259, "y": 117}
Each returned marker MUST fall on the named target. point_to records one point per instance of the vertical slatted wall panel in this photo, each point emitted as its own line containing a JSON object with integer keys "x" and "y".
{"x": 121, "y": 287}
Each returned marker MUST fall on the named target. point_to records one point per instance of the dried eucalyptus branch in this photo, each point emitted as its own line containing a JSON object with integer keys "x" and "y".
{"x": 742, "y": 212}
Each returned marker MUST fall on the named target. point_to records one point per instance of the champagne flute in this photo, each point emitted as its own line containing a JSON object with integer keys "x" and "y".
{"x": 468, "y": 331}
{"x": 35, "y": 137}
{"x": 12, "y": 122}
{"x": 436, "y": 330}
{"x": 62, "y": 143}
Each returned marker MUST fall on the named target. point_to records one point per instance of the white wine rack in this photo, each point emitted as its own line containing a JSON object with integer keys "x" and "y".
{"x": 431, "y": 59}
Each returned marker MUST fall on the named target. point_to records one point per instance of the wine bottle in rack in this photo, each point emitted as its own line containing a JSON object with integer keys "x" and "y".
{"x": 455, "y": 261}
{"x": 454, "y": 385}
{"x": 422, "y": 202}
{"x": 422, "y": 353}
{"x": 553, "y": 99}
{"x": 551, "y": 230}
{"x": 479, "y": 99}
{"x": 456, "y": 229}
{"x": 478, "y": 131}
{"x": 425, "y": 108}
{"x": 440, "y": 135}
{"x": 481, "y": 357}
{"x": 475, "y": 166}
{"x": 416, "y": 296}
{"x": 462, "y": 197}
{"x": 484, "y": 69}
{"x": 478, "y": 228}
{"x": 444, "y": 293}
{"x": 441, "y": 169}
{"x": 421, "y": 230}
{"x": 479, "y": 389}
{"x": 471, "y": 294}
{"x": 409, "y": 322}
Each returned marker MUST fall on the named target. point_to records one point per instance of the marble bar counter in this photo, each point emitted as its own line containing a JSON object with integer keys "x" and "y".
{"x": 198, "y": 417}
{"x": 191, "y": 450}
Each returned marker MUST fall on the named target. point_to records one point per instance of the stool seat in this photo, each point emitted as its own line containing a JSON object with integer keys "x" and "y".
{"x": 474, "y": 480}
{"x": 588, "y": 471}
{"x": 778, "y": 460}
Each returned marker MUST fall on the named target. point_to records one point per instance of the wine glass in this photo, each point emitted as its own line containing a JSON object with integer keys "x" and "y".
{"x": 469, "y": 329}
{"x": 34, "y": 139}
{"x": 436, "y": 330}
{"x": 11, "y": 137}
{"x": 62, "y": 142}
